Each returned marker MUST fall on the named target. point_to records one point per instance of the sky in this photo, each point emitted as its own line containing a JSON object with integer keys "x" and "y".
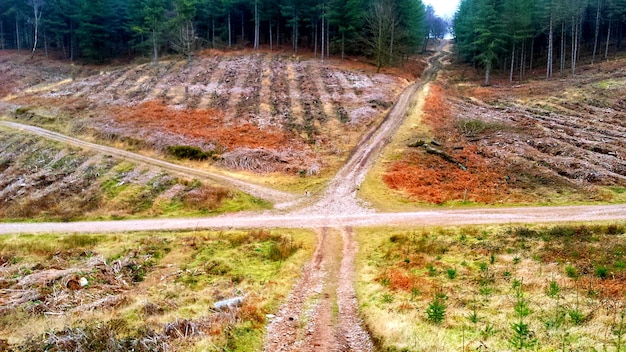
{"x": 444, "y": 8}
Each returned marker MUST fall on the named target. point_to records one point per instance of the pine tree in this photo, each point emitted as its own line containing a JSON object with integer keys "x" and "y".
{"x": 489, "y": 39}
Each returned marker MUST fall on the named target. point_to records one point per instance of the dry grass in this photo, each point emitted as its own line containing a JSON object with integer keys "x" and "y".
{"x": 560, "y": 270}
{"x": 535, "y": 142}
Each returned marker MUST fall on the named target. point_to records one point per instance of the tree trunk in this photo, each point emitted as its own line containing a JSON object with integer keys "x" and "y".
{"x": 550, "y": 50}
{"x": 271, "y": 40}
{"x": 230, "y": 35}
{"x": 37, "y": 14}
{"x": 595, "y": 43}
{"x": 213, "y": 32}
{"x": 17, "y": 34}
{"x": 323, "y": 32}
{"x": 574, "y": 43}
{"x": 296, "y": 33}
{"x": 393, "y": 27}
{"x": 256, "y": 24}
{"x": 487, "y": 73}
{"x": 71, "y": 37}
{"x": 2, "y": 34}
{"x": 45, "y": 42}
{"x": 327, "y": 39}
{"x": 532, "y": 55}
{"x": 243, "y": 29}
{"x": 343, "y": 45}
{"x": 278, "y": 31}
{"x": 155, "y": 53}
{"x": 521, "y": 63}
{"x": 562, "y": 68}
{"x": 512, "y": 64}
{"x": 315, "y": 40}
{"x": 608, "y": 39}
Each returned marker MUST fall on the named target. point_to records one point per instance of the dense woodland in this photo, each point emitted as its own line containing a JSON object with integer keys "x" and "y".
{"x": 517, "y": 35}
{"x": 98, "y": 30}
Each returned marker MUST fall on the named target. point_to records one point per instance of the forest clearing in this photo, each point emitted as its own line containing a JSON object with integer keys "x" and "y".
{"x": 246, "y": 196}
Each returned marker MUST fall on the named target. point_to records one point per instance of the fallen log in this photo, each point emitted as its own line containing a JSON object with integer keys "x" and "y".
{"x": 445, "y": 156}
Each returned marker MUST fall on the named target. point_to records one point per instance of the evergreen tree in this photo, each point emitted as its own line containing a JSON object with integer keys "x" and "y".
{"x": 489, "y": 39}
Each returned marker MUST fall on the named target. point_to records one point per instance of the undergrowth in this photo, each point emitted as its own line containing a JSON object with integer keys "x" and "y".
{"x": 145, "y": 291}
{"x": 496, "y": 288}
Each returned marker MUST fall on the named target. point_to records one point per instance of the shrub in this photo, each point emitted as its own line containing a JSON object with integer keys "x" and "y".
{"x": 436, "y": 310}
{"x": 387, "y": 298}
{"x": 571, "y": 272}
{"x": 576, "y": 316}
{"x": 553, "y": 289}
{"x": 451, "y": 273}
{"x": 205, "y": 197}
{"x": 471, "y": 127}
{"x": 602, "y": 272}
{"x": 188, "y": 152}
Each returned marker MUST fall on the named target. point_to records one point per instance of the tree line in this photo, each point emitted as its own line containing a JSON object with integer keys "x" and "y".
{"x": 98, "y": 30}
{"x": 518, "y": 35}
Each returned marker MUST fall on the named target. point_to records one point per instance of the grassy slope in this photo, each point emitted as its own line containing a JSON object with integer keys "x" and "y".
{"x": 572, "y": 279}
{"x": 44, "y": 180}
{"x": 170, "y": 279}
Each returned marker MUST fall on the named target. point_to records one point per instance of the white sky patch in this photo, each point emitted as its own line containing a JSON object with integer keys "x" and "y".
{"x": 444, "y": 8}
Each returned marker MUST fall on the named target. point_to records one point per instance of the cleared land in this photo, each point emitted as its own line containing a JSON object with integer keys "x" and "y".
{"x": 499, "y": 288}
{"x": 545, "y": 287}
{"x": 258, "y": 112}
{"x": 542, "y": 142}
{"x": 46, "y": 180}
{"x": 145, "y": 291}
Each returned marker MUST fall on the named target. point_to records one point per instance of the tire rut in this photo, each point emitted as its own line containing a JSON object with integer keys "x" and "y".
{"x": 321, "y": 314}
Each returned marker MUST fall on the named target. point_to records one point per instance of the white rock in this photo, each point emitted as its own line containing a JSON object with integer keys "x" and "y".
{"x": 83, "y": 282}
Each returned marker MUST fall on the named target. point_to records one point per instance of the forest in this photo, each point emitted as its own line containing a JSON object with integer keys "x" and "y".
{"x": 99, "y": 30}
{"x": 518, "y": 35}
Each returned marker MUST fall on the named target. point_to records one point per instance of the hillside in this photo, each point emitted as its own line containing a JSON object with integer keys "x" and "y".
{"x": 45, "y": 180}
{"x": 559, "y": 141}
{"x": 259, "y": 112}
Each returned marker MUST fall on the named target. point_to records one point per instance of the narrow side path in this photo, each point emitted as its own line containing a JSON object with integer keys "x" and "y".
{"x": 340, "y": 197}
{"x": 280, "y": 199}
{"x": 321, "y": 313}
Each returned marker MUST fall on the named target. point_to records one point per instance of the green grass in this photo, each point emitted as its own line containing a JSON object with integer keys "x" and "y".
{"x": 183, "y": 275}
{"x": 578, "y": 265}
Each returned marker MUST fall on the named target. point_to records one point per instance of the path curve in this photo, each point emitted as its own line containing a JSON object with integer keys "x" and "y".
{"x": 280, "y": 199}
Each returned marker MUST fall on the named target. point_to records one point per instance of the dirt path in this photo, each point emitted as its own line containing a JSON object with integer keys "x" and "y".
{"x": 281, "y": 199}
{"x": 340, "y": 198}
{"x": 321, "y": 314}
